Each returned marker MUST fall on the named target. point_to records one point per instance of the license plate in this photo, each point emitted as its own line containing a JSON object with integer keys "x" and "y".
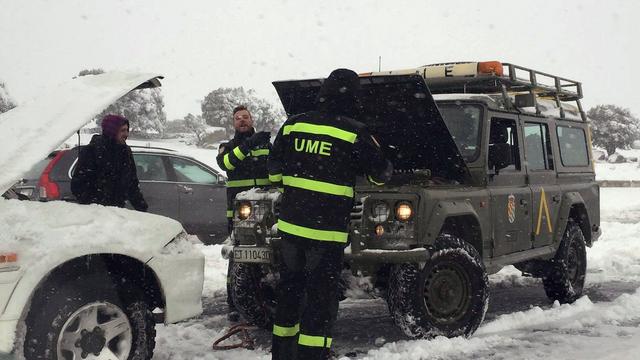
{"x": 252, "y": 255}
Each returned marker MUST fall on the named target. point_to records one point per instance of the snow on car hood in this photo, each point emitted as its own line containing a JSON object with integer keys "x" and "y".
{"x": 38, "y": 230}
{"x": 32, "y": 130}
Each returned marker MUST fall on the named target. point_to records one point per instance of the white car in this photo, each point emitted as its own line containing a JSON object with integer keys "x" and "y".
{"x": 85, "y": 281}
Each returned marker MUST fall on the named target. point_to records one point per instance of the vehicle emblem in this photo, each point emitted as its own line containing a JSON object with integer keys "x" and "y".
{"x": 511, "y": 208}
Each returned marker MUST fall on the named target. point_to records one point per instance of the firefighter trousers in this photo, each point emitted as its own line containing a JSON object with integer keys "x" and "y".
{"x": 308, "y": 296}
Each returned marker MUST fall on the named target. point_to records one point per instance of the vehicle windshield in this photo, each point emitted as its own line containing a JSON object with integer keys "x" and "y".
{"x": 463, "y": 122}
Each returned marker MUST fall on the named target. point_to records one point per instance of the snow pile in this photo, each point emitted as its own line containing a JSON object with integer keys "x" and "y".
{"x": 256, "y": 194}
{"x": 215, "y": 271}
{"x": 538, "y": 333}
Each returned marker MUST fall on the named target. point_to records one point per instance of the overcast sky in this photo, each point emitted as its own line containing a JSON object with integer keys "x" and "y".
{"x": 202, "y": 45}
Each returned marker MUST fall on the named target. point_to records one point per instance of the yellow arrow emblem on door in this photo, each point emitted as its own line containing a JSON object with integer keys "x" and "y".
{"x": 543, "y": 206}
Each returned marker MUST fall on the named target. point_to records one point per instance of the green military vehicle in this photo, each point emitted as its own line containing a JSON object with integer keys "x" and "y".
{"x": 493, "y": 167}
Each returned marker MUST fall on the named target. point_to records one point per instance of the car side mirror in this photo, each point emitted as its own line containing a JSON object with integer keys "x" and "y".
{"x": 500, "y": 156}
{"x": 222, "y": 181}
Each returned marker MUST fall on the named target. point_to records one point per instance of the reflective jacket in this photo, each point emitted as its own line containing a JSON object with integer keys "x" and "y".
{"x": 317, "y": 156}
{"x": 245, "y": 167}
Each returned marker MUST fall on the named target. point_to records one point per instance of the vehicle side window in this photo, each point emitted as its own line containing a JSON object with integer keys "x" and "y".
{"x": 188, "y": 171}
{"x": 504, "y": 131}
{"x": 538, "y": 147}
{"x": 573, "y": 146}
{"x": 150, "y": 168}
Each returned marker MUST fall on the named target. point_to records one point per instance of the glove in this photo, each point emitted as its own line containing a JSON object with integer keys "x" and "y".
{"x": 259, "y": 138}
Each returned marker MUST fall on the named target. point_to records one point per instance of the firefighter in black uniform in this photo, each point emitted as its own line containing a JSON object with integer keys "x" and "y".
{"x": 244, "y": 158}
{"x": 317, "y": 156}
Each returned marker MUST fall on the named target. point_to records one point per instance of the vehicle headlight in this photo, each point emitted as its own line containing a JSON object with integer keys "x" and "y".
{"x": 380, "y": 212}
{"x": 404, "y": 211}
{"x": 244, "y": 210}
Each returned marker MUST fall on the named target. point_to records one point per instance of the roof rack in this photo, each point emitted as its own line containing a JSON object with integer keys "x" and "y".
{"x": 506, "y": 78}
{"x": 494, "y": 77}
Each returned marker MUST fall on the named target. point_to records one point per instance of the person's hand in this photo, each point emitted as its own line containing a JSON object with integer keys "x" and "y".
{"x": 259, "y": 138}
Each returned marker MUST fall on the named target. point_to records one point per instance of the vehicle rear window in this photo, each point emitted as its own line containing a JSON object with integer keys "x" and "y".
{"x": 573, "y": 146}
{"x": 187, "y": 171}
{"x": 538, "y": 146}
{"x": 150, "y": 168}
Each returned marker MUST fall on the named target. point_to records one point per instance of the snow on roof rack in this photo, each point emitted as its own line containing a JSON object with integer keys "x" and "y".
{"x": 494, "y": 77}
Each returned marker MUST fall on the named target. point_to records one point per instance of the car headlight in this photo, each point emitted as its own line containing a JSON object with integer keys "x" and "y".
{"x": 244, "y": 210}
{"x": 404, "y": 211}
{"x": 380, "y": 212}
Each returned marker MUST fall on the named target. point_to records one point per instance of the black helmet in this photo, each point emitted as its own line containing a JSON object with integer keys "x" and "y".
{"x": 339, "y": 93}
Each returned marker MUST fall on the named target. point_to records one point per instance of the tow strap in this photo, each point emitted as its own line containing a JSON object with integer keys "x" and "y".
{"x": 246, "y": 341}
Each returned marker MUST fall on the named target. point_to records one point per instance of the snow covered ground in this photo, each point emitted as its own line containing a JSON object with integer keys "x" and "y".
{"x": 520, "y": 324}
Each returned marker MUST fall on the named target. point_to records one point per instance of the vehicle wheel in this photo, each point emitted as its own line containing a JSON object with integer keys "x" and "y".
{"x": 87, "y": 317}
{"x": 253, "y": 290}
{"x": 564, "y": 280}
{"x": 449, "y": 296}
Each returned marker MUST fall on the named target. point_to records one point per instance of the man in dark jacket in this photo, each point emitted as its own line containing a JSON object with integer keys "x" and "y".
{"x": 244, "y": 158}
{"x": 317, "y": 156}
{"x": 106, "y": 173}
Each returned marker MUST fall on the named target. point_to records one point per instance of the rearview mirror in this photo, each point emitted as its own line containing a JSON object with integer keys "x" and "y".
{"x": 499, "y": 156}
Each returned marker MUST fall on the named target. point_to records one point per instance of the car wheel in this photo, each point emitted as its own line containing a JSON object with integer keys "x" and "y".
{"x": 253, "y": 293}
{"x": 87, "y": 317}
{"x": 448, "y": 296}
{"x": 564, "y": 281}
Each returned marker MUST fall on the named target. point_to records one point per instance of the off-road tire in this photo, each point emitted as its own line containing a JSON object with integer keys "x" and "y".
{"x": 419, "y": 313}
{"x": 55, "y": 303}
{"x": 253, "y": 294}
{"x": 564, "y": 279}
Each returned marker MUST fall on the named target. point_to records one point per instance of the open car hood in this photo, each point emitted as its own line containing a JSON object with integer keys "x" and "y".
{"x": 32, "y": 130}
{"x": 401, "y": 113}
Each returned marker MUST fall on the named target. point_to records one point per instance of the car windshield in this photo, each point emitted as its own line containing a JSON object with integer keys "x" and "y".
{"x": 463, "y": 122}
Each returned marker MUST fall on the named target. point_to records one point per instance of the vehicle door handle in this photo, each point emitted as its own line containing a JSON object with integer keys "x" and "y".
{"x": 186, "y": 189}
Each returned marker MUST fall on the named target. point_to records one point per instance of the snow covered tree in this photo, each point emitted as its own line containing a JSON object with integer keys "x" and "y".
{"x": 196, "y": 125}
{"x": 217, "y": 109}
{"x": 144, "y": 108}
{"x": 6, "y": 103}
{"x": 613, "y": 127}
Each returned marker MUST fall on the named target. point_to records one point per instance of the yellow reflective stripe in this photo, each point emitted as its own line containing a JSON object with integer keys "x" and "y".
{"x": 373, "y": 181}
{"x": 263, "y": 182}
{"x": 314, "y": 341}
{"x": 239, "y": 153}
{"x": 314, "y": 234}
{"x": 241, "y": 183}
{"x": 286, "y": 331}
{"x": 229, "y": 213}
{"x": 275, "y": 177}
{"x": 248, "y": 182}
{"x": 318, "y": 186}
{"x": 260, "y": 152}
{"x": 227, "y": 163}
{"x": 321, "y": 130}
